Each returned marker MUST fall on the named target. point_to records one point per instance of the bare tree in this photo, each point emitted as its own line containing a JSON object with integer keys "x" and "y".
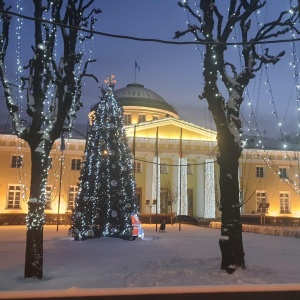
{"x": 171, "y": 195}
{"x": 49, "y": 118}
{"x": 214, "y": 31}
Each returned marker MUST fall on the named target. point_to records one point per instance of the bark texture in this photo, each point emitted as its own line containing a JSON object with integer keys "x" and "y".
{"x": 213, "y": 30}
{"x": 53, "y": 93}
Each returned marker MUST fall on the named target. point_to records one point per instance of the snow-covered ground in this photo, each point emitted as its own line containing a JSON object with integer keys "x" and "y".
{"x": 190, "y": 257}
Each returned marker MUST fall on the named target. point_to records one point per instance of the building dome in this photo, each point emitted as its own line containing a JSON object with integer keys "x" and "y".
{"x": 136, "y": 95}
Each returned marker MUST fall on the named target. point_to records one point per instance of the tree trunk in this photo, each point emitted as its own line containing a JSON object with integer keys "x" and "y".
{"x": 36, "y": 217}
{"x": 34, "y": 253}
{"x": 231, "y": 244}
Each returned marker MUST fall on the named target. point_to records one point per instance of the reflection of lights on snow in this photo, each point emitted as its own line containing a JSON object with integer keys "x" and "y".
{"x": 209, "y": 206}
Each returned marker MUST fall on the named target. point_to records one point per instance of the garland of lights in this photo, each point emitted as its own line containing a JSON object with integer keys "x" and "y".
{"x": 182, "y": 201}
{"x": 209, "y": 193}
{"x": 156, "y": 182}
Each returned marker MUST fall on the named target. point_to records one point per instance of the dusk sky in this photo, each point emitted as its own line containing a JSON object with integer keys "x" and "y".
{"x": 175, "y": 71}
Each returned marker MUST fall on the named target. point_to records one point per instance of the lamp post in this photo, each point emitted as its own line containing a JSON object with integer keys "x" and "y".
{"x": 154, "y": 203}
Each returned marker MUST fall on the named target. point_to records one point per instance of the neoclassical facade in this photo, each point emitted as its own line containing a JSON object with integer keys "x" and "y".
{"x": 174, "y": 162}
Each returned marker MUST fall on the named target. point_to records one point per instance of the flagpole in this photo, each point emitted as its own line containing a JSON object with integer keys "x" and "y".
{"x": 135, "y": 72}
{"x": 157, "y": 169}
{"x": 133, "y": 151}
{"x": 62, "y": 148}
{"x": 180, "y": 159}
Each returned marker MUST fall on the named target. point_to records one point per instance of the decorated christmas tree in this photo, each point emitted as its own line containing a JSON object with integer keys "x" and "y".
{"x": 106, "y": 201}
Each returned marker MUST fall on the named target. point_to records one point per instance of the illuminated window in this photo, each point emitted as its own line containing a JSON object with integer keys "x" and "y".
{"x": 155, "y": 117}
{"x": 142, "y": 118}
{"x": 16, "y": 161}
{"x": 163, "y": 169}
{"x": 284, "y": 203}
{"x": 14, "y": 197}
{"x": 76, "y": 164}
{"x": 283, "y": 174}
{"x": 260, "y": 172}
{"x": 137, "y": 167}
{"x": 261, "y": 202}
{"x": 48, "y": 197}
{"x": 73, "y": 191}
{"x": 127, "y": 119}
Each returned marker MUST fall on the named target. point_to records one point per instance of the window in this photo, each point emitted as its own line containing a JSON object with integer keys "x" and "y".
{"x": 76, "y": 164}
{"x": 48, "y": 197}
{"x": 142, "y": 118}
{"x": 127, "y": 119}
{"x": 261, "y": 202}
{"x": 155, "y": 117}
{"x": 16, "y": 161}
{"x": 14, "y": 197}
{"x": 284, "y": 203}
{"x": 137, "y": 167}
{"x": 73, "y": 191}
{"x": 189, "y": 169}
{"x": 163, "y": 169}
{"x": 260, "y": 172}
{"x": 283, "y": 173}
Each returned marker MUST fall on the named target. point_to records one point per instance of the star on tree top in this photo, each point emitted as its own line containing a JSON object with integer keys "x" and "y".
{"x": 110, "y": 81}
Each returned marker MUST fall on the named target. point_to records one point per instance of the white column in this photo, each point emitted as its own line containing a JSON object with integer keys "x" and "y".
{"x": 182, "y": 187}
{"x": 200, "y": 196}
{"x": 148, "y": 179}
{"x": 210, "y": 195}
{"x": 156, "y": 182}
{"x": 175, "y": 181}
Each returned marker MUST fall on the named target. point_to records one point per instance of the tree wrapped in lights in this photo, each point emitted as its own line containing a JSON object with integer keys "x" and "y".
{"x": 214, "y": 31}
{"x": 53, "y": 90}
{"x": 106, "y": 200}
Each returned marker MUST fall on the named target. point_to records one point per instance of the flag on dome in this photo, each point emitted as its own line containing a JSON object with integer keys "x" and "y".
{"x": 137, "y": 66}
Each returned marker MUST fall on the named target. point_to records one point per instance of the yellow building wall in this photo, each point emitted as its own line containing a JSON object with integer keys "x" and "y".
{"x": 272, "y": 184}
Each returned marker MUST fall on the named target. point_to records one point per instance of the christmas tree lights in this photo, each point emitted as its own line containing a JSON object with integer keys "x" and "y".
{"x": 106, "y": 200}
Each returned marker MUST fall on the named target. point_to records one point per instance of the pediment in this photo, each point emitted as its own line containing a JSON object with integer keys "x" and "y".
{"x": 170, "y": 128}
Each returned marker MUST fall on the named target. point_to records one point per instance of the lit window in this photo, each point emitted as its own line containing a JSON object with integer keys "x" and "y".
{"x": 284, "y": 203}
{"x": 127, "y": 119}
{"x": 76, "y": 164}
{"x": 155, "y": 117}
{"x": 14, "y": 197}
{"x": 16, "y": 161}
{"x": 137, "y": 167}
{"x": 142, "y": 118}
{"x": 73, "y": 191}
{"x": 260, "y": 172}
{"x": 261, "y": 202}
{"x": 48, "y": 197}
{"x": 163, "y": 169}
{"x": 283, "y": 173}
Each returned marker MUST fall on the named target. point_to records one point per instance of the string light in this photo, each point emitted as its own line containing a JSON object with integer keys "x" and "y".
{"x": 106, "y": 199}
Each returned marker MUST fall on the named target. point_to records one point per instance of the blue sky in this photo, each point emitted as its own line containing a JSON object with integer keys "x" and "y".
{"x": 175, "y": 71}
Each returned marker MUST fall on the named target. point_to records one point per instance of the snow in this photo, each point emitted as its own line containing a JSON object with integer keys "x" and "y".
{"x": 187, "y": 259}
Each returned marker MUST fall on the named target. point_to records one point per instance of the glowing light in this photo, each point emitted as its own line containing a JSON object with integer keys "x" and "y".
{"x": 209, "y": 193}
{"x": 182, "y": 187}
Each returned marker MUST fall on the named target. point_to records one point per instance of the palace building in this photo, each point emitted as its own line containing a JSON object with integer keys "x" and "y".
{"x": 174, "y": 162}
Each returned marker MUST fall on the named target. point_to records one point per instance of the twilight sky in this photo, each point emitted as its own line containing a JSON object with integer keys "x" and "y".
{"x": 175, "y": 71}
